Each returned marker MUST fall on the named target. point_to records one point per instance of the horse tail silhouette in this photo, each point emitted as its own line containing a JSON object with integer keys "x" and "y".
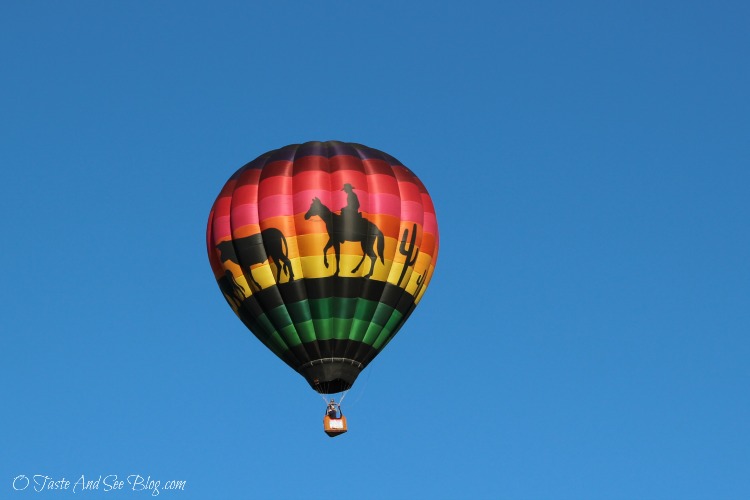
{"x": 381, "y": 246}
{"x": 286, "y": 253}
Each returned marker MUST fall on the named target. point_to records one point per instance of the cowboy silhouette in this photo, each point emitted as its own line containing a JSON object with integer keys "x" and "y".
{"x": 349, "y": 225}
{"x": 351, "y": 210}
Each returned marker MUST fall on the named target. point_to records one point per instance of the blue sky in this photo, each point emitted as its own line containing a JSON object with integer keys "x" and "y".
{"x": 586, "y": 331}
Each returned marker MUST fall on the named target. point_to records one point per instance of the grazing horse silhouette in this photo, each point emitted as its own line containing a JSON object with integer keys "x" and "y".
{"x": 232, "y": 290}
{"x": 342, "y": 228}
{"x": 256, "y": 249}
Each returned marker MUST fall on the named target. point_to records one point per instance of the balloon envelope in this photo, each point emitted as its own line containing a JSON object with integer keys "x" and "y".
{"x": 323, "y": 250}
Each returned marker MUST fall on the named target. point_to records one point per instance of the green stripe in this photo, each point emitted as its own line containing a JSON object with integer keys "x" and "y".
{"x": 266, "y": 333}
{"x": 389, "y": 330}
{"x": 339, "y": 318}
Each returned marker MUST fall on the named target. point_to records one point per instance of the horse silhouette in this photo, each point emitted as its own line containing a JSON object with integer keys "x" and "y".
{"x": 345, "y": 227}
{"x": 256, "y": 249}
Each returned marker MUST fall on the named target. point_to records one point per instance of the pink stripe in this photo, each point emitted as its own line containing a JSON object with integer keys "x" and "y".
{"x": 303, "y": 199}
{"x": 275, "y": 206}
{"x": 412, "y": 212}
{"x": 387, "y": 204}
{"x": 221, "y": 228}
{"x": 248, "y": 214}
{"x": 245, "y": 214}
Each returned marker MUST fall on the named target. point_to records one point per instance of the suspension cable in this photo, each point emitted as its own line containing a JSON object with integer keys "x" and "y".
{"x": 342, "y": 397}
{"x": 361, "y": 391}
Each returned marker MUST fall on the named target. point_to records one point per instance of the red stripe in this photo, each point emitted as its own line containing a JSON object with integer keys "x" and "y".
{"x": 313, "y": 179}
{"x": 276, "y": 185}
{"x": 383, "y": 184}
{"x": 409, "y": 192}
{"x": 324, "y": 181}
{"x": 427, "y": 203}
{"x": 430, "y": 223}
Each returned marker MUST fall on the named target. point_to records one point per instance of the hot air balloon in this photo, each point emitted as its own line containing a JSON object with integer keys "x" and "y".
{"x": 323, "y": 250}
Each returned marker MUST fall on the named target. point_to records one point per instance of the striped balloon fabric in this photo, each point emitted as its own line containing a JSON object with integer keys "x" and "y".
{"x": 323, "y": 250}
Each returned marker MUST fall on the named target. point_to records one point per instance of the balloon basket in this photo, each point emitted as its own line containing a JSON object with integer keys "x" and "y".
{"x": 334, "y": 426}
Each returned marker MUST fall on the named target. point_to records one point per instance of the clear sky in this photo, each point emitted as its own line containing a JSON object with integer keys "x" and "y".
{"x": 587, "y": 331}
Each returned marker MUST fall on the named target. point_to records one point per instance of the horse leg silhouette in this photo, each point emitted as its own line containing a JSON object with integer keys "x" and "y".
{"x": 278, "y": 271}
{"x": 367, "y": 251}
{"x": 252, "y": 280}
{"x": 337, "y": 251}
{"x": 278, "y": 250}
{"x": 249, "y": 274}
{"x": 375, "y": 249}
{"x": 325, "y": 251}
{"x": 283, "y": 263}
{"x": 287, "y": 267}
{"x": 232, "y": 290}
{"x": 284, "y": 256}
{"x": 371, "y": 254}
{"x": 364, "y": 254}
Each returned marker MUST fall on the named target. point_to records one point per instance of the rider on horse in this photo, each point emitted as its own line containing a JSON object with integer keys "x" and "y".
{"x": 351, "y": 210}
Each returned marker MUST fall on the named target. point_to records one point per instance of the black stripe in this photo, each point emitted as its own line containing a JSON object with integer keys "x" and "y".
{"x": 324, "y": 288}
{"x": 326, "y": 149}
{"x": 338, "y": 348}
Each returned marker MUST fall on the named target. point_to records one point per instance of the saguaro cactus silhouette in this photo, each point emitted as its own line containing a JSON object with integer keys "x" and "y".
{"x": 410, "y": 259}
{"x": 420, "y": 282}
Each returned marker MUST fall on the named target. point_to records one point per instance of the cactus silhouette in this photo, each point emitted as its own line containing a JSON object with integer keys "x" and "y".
{"x": 410, "y": 259}
{"x": 420, "y": 282}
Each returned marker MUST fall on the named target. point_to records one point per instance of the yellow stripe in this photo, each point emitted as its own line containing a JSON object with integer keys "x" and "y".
{"x": 313, "y": 267}
{"x": 428, "y": 275}
{"x": 312, "y": 244}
